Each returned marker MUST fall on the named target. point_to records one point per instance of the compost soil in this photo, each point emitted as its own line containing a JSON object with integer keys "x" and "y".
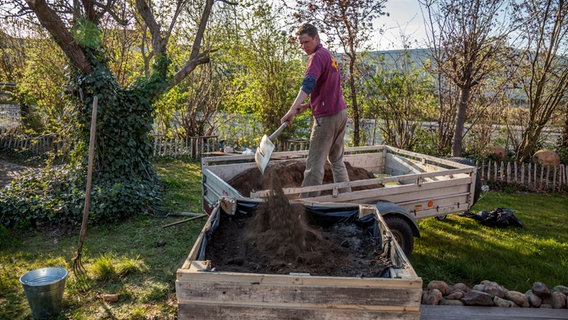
{"x": 290, "y": 175}
{"x": 281, "y": 238}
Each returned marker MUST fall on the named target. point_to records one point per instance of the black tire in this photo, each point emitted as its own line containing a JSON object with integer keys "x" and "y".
{"x": 402, "y": 233}
{"x": 477, "y": 191}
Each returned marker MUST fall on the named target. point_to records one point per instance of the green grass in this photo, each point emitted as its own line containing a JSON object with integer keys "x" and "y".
{"x": 460, "y": 249}
{"x": 137, "y": 259}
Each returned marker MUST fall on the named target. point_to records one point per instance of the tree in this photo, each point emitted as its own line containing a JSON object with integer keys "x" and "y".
{"x": 192, "y": 106}
{"x": 400, "y": 95}
{"x": 41, "y": 88}
{"x": 351, "y": 22}
{"x": 466, "y": 38}
{"x": 543, "y": 26}
{"x": 124, "y": 180}
{"x": 264, "y": 66}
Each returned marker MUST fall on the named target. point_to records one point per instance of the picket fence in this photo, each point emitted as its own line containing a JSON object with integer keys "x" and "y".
{"x": 12, "y": 140}
{"x": 193, "y": 147}
{"x": 532, "y": 176}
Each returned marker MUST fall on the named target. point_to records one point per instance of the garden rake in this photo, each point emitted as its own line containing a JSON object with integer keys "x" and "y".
{"x": 78, "y": 267}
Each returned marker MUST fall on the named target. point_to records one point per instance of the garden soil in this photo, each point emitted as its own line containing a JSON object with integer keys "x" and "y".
{"x": 289, "y": 173}
{"x": 280, "y": 238}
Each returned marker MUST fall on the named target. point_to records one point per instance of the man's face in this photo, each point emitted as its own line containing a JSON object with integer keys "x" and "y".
{"x": 308, "y": 43}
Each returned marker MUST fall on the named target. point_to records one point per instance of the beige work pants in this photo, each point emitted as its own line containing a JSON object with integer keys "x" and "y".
{"x": 326, "y": 144}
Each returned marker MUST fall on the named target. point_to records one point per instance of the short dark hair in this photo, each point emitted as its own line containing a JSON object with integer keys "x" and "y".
{"x": 308, "y": 29}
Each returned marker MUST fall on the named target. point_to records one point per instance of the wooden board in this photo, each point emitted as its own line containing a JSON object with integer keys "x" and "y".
{"x": 428, "y": 312}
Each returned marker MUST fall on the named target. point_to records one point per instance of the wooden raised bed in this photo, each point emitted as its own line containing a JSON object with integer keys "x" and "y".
{"x": 204, "y": 293}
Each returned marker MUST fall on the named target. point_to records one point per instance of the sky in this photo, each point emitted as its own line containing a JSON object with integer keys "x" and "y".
{"x": 406, "y": 18}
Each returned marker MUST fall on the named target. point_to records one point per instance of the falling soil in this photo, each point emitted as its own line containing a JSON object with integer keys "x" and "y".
{"x": 279, "y": 238}
{"x": 290, "y": 174}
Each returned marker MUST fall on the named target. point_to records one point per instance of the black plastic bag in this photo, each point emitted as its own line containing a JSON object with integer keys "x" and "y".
{"x": 498, "y": 217}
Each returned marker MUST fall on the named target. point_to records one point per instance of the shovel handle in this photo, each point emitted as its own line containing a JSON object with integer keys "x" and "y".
{"x": 278, "y": 131}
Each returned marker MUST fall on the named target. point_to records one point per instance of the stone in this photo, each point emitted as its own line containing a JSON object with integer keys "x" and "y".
{"x": 461, "y": 287}
{"x": 449, "y": 302}
{"x": 440, "y": 285}
{"x": 479, "y": 287}
{"x": 493, "y": 288}
{"x": 431, "y": 297}
{"x": 563, "y": 289}
{"x": 518, "y": 298}
{"x": 503, "y": 303}
{"x": 496, "y": 152}
{"x": 540, "y": 289}
{"x": 558, "y": 300}
{"x": 477, "y": 298}
{"x": 534, "y": 300}
{"x": 546, "y": 158}
{"x": 455, "y": 295}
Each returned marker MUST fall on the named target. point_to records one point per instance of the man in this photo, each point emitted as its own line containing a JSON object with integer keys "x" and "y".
{"x": 322, "y": 83}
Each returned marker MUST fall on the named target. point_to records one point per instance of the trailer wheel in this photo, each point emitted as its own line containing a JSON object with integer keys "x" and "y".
{"x": 401, "y": 232}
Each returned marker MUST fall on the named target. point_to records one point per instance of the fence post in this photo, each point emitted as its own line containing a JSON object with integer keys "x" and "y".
{"x": 541, "y": 176}
{"x": 522, "y": 173}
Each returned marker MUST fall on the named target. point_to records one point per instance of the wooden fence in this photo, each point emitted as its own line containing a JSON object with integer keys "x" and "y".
{"x": 11, "y": 140}
{"x": 530, "y": 175}
{"x": 193, "y": 147}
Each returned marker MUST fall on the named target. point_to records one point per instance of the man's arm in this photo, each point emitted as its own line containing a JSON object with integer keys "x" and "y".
{"x": 297, "y": 107}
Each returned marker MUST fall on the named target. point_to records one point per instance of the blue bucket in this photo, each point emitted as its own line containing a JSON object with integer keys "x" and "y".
{"x": 44, "y": 289}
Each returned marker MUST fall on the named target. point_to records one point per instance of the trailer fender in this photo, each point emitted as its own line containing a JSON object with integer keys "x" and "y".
{"x": 401, "y": 224}
{"x": 391, "y": 209}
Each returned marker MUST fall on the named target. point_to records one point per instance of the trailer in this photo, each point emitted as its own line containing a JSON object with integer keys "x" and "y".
{"x": 406, "y": 186}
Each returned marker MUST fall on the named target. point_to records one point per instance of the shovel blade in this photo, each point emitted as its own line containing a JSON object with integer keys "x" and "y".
{"x": 263, "y": 153}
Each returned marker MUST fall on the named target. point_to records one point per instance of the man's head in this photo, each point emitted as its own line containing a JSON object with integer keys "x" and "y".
{"x": 308, "y": 38}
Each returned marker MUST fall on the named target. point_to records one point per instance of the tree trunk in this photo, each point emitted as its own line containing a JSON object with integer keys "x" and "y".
{"x": 564, "y": 138}
{"x": 355, "y": 106}
{"x": 528, "y": 145}
{"x": 465, "y": 93}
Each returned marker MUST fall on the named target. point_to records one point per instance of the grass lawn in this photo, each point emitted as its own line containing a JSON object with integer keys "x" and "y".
{"x": 460, "y": 249}
{"x": 137, "y": 259}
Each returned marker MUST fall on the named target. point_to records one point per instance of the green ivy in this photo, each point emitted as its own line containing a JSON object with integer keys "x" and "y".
{"x": 124, "y": 180}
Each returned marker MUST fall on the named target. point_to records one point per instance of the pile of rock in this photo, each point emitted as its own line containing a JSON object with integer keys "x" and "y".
{"x": 490, "y": 293}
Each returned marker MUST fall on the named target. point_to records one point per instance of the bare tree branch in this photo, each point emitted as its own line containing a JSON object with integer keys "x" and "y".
{"x": 49, "y": 20}
{"x": 201, "y": 58}
{"x": 158, "y": 43}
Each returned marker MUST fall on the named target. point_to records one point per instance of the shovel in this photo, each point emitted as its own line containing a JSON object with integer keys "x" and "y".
{"x": 264, "y": 151}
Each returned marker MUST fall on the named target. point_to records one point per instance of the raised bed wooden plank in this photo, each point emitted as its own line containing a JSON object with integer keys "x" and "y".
{"x": 428, "y": 312}
{"x": 247, "y": 312}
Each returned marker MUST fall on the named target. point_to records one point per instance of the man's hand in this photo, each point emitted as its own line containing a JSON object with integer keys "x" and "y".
{"x": 293, "y": 112}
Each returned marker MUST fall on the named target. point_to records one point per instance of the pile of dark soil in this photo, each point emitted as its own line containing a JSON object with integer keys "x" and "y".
{"x": 279, "y": 238}
{"x": 289, "y": 173}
